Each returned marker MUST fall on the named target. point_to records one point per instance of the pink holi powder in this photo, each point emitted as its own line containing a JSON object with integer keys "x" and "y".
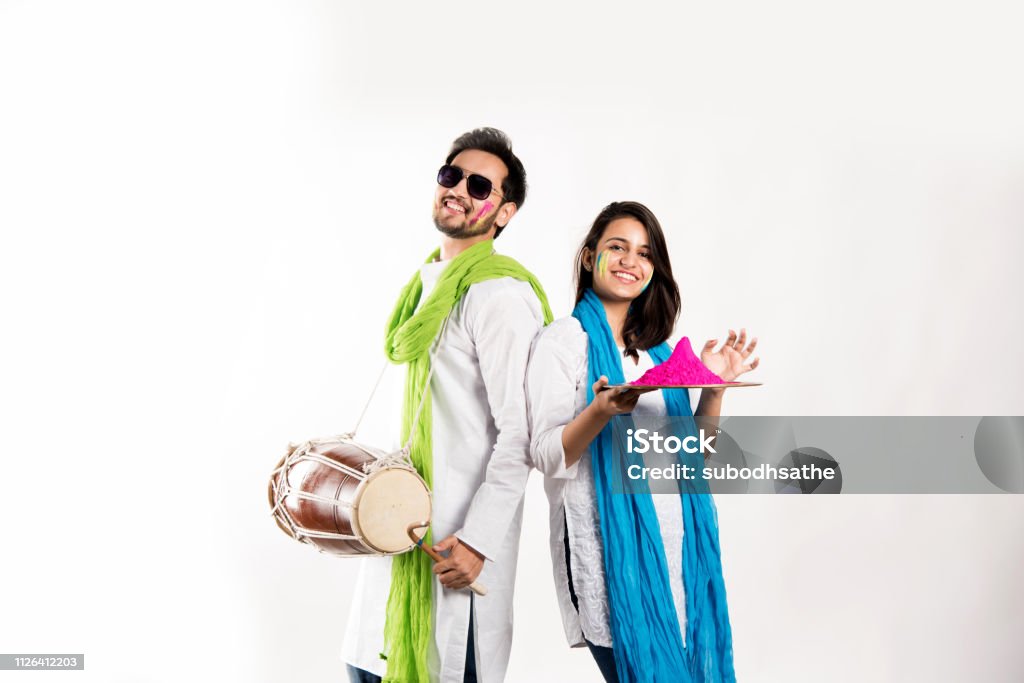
{"x": 487, "y": 207}
{"x": 682, "y": 367}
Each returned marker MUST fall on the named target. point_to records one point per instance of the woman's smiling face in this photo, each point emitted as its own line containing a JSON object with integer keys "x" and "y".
{"x": 621, "y": 261}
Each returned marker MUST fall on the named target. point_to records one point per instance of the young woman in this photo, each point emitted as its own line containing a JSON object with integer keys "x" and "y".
{"x": 638, "y": 576}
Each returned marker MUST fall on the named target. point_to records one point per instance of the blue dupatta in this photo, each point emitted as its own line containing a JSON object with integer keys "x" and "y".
{"x": 645, "y": 628}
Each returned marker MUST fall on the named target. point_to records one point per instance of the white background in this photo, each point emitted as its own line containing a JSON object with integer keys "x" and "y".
{"x": 208, "y": 208}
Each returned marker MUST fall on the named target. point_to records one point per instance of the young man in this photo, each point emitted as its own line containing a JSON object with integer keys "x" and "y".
{"x": 413, "y": 620}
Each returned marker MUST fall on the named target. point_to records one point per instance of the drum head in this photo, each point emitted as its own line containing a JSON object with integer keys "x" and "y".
{"x": 389, "y": 501}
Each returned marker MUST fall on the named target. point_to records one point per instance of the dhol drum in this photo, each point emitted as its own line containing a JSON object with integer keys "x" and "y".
{"x": 345, "y": 498}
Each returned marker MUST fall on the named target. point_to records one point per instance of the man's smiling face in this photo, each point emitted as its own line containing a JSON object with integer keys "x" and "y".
{"x": 461, "y": 216}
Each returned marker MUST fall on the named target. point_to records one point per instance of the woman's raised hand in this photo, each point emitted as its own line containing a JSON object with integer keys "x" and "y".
{"x": 729, "y": 362}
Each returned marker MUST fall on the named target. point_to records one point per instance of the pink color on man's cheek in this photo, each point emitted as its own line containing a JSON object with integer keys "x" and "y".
{"x": 479, "y": 214}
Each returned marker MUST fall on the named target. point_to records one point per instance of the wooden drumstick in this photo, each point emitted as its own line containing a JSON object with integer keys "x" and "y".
{"x": 477, "y": 588}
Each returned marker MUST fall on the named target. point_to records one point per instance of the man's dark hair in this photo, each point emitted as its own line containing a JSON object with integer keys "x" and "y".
{"x": 493, "y": 141}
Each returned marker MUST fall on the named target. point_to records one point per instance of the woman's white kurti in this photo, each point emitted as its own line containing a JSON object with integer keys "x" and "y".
{"x": 556, "y": 389}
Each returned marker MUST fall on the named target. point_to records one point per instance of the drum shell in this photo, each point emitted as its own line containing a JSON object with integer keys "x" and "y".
{"x": 309, "y": 476}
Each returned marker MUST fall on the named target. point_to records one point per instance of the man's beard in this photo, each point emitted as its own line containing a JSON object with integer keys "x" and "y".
{"x": 464, "y": 231}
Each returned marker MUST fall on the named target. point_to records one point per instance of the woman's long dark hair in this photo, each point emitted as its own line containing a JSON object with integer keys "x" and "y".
{"x": 652, "y": 315}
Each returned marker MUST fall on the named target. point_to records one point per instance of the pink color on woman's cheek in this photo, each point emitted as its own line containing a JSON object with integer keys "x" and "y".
{"x": 479, "y": 214}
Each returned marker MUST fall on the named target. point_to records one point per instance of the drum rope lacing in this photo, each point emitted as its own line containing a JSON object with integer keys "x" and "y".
{"x": 296, "y": 455}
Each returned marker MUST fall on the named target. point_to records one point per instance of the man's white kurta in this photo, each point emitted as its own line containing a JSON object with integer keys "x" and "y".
{"x": 481, "y": 463}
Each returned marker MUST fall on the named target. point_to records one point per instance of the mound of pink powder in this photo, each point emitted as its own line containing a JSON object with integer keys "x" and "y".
{"x": 682, "y": 367}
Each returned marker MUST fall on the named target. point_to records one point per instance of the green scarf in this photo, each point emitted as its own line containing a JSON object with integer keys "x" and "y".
{"x": 409, "y": 337}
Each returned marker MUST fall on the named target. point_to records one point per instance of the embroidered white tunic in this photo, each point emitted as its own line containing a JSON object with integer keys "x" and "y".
{"x": 481, "y": 465}
{"x": 556, "y": 389}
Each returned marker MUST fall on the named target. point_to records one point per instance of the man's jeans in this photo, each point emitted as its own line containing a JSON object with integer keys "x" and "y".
{"x": 362, "y": 676}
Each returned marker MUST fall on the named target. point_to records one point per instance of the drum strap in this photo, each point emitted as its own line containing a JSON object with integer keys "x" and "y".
{"x": 423, "y": 397}
{"x": 366, "y": 406}
{"x": 402, "y": 457}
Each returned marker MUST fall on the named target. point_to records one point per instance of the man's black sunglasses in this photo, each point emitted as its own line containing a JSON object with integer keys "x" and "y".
{"x": 477, "y": 186}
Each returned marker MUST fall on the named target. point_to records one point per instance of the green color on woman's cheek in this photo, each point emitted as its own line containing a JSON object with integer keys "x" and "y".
{"x": 602, "y": 263}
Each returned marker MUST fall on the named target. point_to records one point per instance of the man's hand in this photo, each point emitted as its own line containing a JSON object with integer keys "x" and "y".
{"x": 462, "y": 565}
